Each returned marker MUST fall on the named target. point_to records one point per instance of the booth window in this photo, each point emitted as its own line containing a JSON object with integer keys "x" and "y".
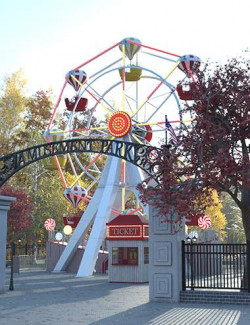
{"x": 146, "y": 255}
{"x": 125, "y": 256}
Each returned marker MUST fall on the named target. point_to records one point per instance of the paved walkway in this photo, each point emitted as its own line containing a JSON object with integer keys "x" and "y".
{"x": 43, "y": 298}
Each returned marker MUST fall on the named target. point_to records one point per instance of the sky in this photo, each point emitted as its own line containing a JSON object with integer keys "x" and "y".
{"x": 50, "y": 37}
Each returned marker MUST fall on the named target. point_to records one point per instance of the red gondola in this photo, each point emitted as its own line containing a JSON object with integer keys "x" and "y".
{"x": 186, "y": 92}
{"x": 80, "y": 107}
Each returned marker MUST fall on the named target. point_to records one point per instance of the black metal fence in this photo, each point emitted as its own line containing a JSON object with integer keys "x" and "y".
{"x": 28, "y": 254}
{"x": 216, "y": 266}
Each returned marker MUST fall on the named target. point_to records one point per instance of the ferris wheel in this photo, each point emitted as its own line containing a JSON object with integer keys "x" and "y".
{"x": 127, "y": 92}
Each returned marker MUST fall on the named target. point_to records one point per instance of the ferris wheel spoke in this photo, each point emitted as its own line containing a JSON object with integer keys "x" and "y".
{"x": 92, "y": 129}
{"x": 163, "y": 122}
{"x": 93, "y": 160}
{"x": 141, "y": 138}
{"x": 60, "y": 171}
{"x": 84, "y": 171}
{"x": 95, "y": 133}
{"x": 136, "y": 101}
{"x": 127, "y": 101}
{"x": 95, "y": 171}
{"x": 165, "y": 94}
{"x": 136, "y": 138}
{"x": 92, "y": 163}
{"x": 156, "y": 88}
{"x": 135, "y": 210}
{"x": 123, "y": 177}
{"x": 92, "y": 184}
{"x": 92, "y": 95}
{"x": 99, "y": 102}
{"x": 112, "y": 109}
{"x": 123, "y": 77}
{"x": 159, "y": 107}
{"x": 58, "y": 166}
{"x": 81, "y": 197}
{"x": 104, "y": 69}
{"x": 72, "y": 165}
{"x": 57, "y": 105}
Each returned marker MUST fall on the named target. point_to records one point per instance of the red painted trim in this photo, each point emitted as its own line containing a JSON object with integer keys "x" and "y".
{"x": 125, "y": 239}
{"x": 152, "y": 48}
{"x": 95, "y": 57}
{"x": 57, "y": 104}
{"x": 127, "y": 220}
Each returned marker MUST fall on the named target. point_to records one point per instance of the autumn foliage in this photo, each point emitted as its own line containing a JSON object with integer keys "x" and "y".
{"x": 20, "y": 210}
{"x": 213, "y": 153}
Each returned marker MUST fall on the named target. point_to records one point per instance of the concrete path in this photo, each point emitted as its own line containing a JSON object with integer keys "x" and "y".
{"x": 41, "y": 298}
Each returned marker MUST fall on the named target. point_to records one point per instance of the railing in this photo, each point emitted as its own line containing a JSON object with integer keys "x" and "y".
{"x": 216, "y": 266}
{"x": 27, "y": 254}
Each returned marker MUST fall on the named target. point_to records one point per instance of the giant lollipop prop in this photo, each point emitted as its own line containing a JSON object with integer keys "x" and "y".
{"x": 204, "y": 222}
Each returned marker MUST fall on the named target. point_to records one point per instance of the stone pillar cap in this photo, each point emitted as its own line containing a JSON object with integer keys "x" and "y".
{"x": 7, "y": 198}
{"x": 5, "y": 201}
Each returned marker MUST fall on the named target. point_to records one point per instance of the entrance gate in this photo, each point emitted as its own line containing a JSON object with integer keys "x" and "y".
{"x": 215, "y": 266}
{"x": 164, "y": 267}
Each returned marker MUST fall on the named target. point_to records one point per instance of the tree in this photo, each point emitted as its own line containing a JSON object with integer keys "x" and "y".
{"x": 235, "y": 230}
{"x": 37, "y": 113}
{"x": 20, "y": 211}
{"x": 214, "y": 212}
{"x": 12, "y": 108}
{"x": 213, "y": 153}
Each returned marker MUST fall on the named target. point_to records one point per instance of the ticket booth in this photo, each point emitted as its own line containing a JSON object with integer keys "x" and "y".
{"x": 127, "y": 237}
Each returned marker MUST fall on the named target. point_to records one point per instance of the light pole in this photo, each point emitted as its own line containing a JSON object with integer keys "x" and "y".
{"x": 13, "y": 252}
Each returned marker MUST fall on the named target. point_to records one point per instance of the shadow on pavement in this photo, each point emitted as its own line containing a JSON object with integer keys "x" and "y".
{"x": 40, "y": 297}
{"x": 173, "y": 314}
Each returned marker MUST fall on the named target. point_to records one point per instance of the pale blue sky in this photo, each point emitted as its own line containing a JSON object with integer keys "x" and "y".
{"x": 47, "y": 38}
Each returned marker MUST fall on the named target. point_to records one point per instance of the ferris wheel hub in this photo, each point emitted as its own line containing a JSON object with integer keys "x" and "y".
{"x": 119, "y": 124}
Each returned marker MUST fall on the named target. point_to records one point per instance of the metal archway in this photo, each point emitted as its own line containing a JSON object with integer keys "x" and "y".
{"x": 135, "y": 153}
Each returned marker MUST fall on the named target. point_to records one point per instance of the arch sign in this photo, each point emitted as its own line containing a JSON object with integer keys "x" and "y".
{"x": 140, "y": 155}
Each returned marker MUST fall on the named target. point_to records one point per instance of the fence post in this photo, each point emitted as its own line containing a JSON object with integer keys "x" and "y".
{"x": 192, "y": 266}
{"x": 183, "y": 265}
{"x": 248, "y": 265}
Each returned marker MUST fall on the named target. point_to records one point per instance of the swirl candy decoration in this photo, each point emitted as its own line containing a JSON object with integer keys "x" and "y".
{"x": 49, "y": 224}
{"x": 204, "y": 222}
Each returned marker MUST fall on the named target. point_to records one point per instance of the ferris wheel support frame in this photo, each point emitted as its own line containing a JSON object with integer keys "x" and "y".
{"x": 98, "y": 213}
{"x": 109, "y": 188}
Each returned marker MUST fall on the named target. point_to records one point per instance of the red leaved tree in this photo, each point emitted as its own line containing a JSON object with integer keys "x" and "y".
{"x": 19, "y": 213}
{"x": 214, "y": 152}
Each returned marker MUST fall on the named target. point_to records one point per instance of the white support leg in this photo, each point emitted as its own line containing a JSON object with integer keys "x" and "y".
{"x": 83, "y": 225}
{"x": 98, "y": 232}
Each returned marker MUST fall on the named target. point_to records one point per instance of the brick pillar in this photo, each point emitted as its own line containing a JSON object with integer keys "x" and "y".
{"x": 5, "y": 202}
{"x": 165, "y": 278}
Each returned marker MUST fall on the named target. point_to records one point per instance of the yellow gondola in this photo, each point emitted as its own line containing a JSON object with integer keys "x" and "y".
{"x": 133, "y": 75}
